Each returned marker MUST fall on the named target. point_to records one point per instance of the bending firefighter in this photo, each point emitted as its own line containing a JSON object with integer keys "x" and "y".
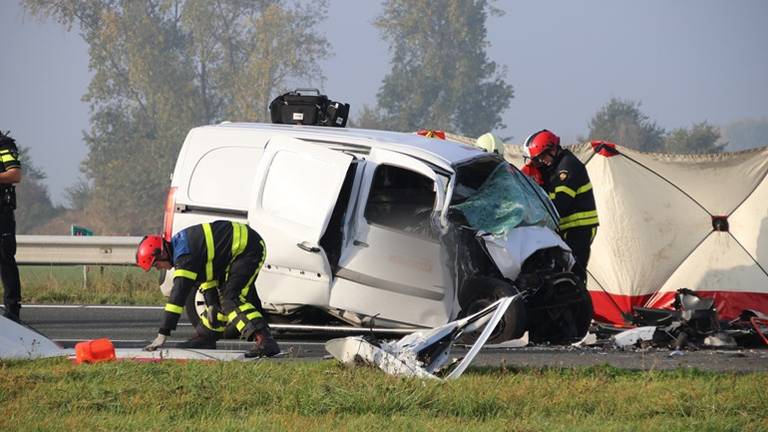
{"x": 223, "y": 259}
{"x": 566, "y": 181}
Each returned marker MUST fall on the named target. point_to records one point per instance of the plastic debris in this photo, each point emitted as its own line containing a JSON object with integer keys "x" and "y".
{"x": 422, "y": 354}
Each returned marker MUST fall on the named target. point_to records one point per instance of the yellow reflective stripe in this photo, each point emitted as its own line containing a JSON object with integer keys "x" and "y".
{"x": 566, "y": 190}
{"x": 185, "y": 274}
{"x": 586, "y": 218}
{"x": 207, "y": 324}
{"x": 585, "y": 188}
{"x": 239, "y": 238}
{"x": 240, "y": 326}
{"x": 244, "y": 291}
{"x": 579, "y": 215}
{"x": 235, "y": 238}
{"x": 205, "y": 286}
{"x": 594, "y": 232}
{"x": 253, "y": 315}
{"x": 244, "y": 308}
{"x": 7, "y": 158}
{"x": 172, "y": 308}
{"x": 570, "y": 192}
{"x": 579, "y": 223}
{"x": 209, "y": 246}
{"x": 243, "y": 238}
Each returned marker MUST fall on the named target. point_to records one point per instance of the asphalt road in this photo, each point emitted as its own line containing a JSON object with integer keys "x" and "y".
{"x": 131, "y": 327}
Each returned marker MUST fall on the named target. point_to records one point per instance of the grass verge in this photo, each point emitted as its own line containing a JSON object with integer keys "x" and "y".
{"x": 56, "y": 394}
{"x": 95, "y": 285}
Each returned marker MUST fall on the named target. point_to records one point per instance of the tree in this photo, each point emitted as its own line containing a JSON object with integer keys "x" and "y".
{"x": 162, "y": 67}
{"x": 622, "y": 122}
{"x": 441, "y": 77}
{"x": 746, "y": 134}
{"x": 701, "y": 138}
{"x": 33, "y": 203}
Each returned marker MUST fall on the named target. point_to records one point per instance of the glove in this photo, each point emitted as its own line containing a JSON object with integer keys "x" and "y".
{"x": 157, "y": 343}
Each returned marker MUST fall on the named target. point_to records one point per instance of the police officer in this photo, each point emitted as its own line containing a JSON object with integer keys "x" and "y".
{"x": 566, "y": 181}
{"x": 10, "y": 174}
{"x": 223, "y": 259}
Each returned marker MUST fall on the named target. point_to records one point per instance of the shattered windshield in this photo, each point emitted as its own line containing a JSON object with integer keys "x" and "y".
{"x": 504, "y": 200}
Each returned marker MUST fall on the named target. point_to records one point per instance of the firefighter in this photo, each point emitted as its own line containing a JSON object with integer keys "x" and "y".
{"x": 489, "y": 143}
{"x": 10, "y": 174}
{"x": 566, "y": 181}
{"x": 223, "y": 259}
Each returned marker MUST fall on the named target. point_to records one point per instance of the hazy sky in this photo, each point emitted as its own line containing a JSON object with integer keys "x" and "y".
{"x": 686, "y": 61}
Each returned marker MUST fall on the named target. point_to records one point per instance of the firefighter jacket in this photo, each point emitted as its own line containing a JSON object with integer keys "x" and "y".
{"x": 202, "y": 255}
{"x": 568, "y": 185}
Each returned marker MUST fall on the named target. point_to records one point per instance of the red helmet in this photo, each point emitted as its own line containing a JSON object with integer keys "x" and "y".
{"x": 150, "y": 248}
{"x": 540, "y": 142}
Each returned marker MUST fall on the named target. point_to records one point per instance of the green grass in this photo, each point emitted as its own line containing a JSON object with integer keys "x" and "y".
{"x": 105, "y": 285}
{"x": 55, "y": 394}
{"x": 292, "y": 395}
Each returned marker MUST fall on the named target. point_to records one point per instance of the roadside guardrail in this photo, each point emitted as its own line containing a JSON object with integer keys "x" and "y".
{"x": 76, "y": 250}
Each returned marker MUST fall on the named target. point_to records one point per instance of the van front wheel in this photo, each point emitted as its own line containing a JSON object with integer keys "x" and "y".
{"x": 479, "y": 293}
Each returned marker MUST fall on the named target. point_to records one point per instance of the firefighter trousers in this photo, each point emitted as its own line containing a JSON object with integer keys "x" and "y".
{"x": 240, "y": 303}
{"x": 579, "y": 239}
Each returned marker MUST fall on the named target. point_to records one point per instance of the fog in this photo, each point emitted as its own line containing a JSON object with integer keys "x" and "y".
{"x": 686, "y": 61}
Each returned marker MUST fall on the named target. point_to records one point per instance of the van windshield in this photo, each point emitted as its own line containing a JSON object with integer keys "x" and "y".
{"x": 505, "y": 199}
{"x": 469, "y": 177}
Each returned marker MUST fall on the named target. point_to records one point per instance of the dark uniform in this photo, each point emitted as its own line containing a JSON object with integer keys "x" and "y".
{"x": 570, "y": 189}
{"x": 9, "y": 271}
{"x": 223, "y": 259}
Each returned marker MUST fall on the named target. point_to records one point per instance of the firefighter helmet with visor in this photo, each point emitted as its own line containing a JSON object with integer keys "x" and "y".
{"x": 539, "y": 142}
{"x": 149, "y": 249}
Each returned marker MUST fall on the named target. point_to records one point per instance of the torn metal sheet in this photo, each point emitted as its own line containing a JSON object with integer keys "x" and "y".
{"x": 20, "y": 342}
{"x": 423, "y": 353}
{"x": 510, "y": 250}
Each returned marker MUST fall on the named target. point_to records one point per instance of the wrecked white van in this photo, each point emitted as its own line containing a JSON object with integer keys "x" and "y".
{"x": 384, "y": 229}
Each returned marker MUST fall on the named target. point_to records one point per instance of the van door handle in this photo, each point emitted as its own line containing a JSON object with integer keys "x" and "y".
{"x": 305, "y": 247}
{"x": 360, "y": 243}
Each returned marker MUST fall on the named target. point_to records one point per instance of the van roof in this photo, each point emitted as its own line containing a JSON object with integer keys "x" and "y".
{"x": 443, "y": 153}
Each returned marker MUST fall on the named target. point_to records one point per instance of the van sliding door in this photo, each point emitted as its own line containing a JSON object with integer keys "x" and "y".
{"x": 296, "y": 188}
{"x": 393, "y": 268}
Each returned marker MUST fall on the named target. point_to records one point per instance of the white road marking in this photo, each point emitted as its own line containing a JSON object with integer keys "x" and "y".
{"x": 36, "y": 306}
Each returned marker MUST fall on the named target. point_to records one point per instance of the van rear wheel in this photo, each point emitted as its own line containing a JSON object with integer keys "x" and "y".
{"x": 195, "y": 306}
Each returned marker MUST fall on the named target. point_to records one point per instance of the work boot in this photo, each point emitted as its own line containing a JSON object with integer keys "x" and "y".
{"x": 199, "y": 341}
{"x": 266, "y": 346}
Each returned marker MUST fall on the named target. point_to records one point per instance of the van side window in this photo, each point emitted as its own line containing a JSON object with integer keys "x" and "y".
{"x": 400, "y": 199}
